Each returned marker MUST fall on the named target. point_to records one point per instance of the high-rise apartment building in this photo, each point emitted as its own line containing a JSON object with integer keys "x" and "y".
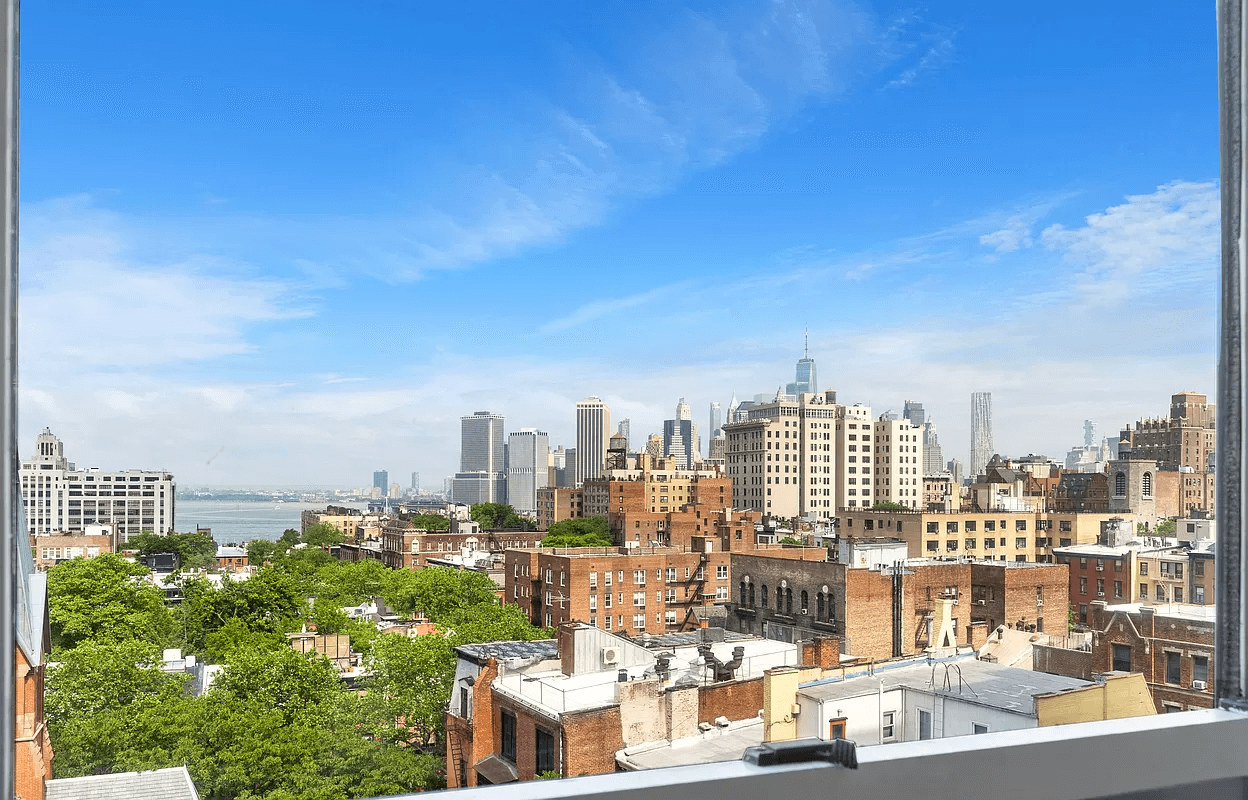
{"x": 528, "y": 460}
{"x": 416, "y": 483}
{"x": 680, "y": 438}
{"x": 898, "y": 463}
{"x": 804, "y": 456}
{"x": 60, "y": 497}
{"x": 625, "y": 429}
{"x": 381, "y": 480}
{"x": 482, "y": 476}
{"x": 593, "y": 427}
{"x": 981, "y": 432}
{"x": 806, "y": 380}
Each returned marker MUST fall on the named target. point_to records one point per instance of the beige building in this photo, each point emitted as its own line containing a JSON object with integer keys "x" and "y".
{"x": 899, "y": 463}
{"x": 660, "y": 485}
{"x": 994, "y": 535}
{"x": 938, "y": 493}
{"x": 555, "y": 504}
{"x": 803, "y": 457}
{"x": 1183, "y": 442}
{"x": 50, "y": 548}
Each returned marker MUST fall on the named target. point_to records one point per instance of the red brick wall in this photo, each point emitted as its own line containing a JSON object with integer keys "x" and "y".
{"x": 590, "y": 741}
{"x": 734, "y": 700}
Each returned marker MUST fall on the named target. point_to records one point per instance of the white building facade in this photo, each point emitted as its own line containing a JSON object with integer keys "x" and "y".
{"x": 593, "y": 427}
{"x": 59, "y": 497}
{"x": 528, "y": 459}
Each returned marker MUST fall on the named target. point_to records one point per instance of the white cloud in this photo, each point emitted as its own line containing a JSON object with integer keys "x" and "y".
{"x": 1010, "y": 238}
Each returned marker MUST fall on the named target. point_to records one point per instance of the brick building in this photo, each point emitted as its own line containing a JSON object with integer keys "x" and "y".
{"x": 884, "y": 613}
{"x": 50, "y": 548}
{"x": 555, "y": 504}
{"x": 625, "y": 590}
{"x": 997, "y": 535}
{"x": 1182, "y": 444}
{"x": 521, "y": 709}
{"x": 1173, "y": 646}
{"x": 32, "y": 749}
{"x": 405, "y": 547}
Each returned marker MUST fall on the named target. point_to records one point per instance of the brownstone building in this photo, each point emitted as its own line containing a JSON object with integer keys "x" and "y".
{"x": 885, "y": 613}
{"x": 49, "y": 548}
{"x": 624, "y": 590}
{"x": 1173, "y": 646}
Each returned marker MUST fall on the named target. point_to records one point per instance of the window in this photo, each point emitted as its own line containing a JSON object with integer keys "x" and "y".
{"x": 925, "y": 724}
{"x": 1122, "y": 658}
{"x": 721, "y": 592}
{"x": 1178, "y": 594}
{"x": 805, "y": 602}
{"x": 1020, "y": 543}
{"x": 1118, "y": 589}
{"x": 1173, "y": 674}
{"x": 1083, "y": 585}
{"x": 1120, "y": 484}
{"x": 978, "y": 727}
{"x": 545, "y": 760}
{"x": 639, "y": 577}
{"x": 1198, "y": 594}
{"x": 593, "y": 580}
{"x": 933, "y": 527}
{"x": 639, "y": 599}
{"x": 887, "y": 728}
{"x": 1198, "y": 568}
{"x": 970, "y": 544}
{"x": 1200, "y": 669}
{"x": 1146, "y": 484}
{"x": 639, "y": 622}
{"x": 721, "y": 572}
{"x": 1020, "y": 524}
{"x": 1143, "y": 567}
{"x": 1143, "y": 591}
{"x": 970, "y": 526}
{"x": 836, "y": 729}
{"x": 508, "y": 749}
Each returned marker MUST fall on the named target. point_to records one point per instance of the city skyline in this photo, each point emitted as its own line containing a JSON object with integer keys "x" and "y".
{"x": 271, "y": 328}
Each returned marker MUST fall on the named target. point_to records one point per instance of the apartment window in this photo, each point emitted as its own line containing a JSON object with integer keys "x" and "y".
{"x": 1173, "y": 674}
{"x": 933, "y": 546}
{"x": 1083, "y": 563}
{"x": 836, "y": 728}
{"x": 951, "y": 527}
{"x": 991, "y": 525}
{"x": 1143, "y": 591}
{"x": 887, "y": 728}
{"x": 1118, "y": 589}
{"x": 593, "y": 580}
{"x": 639, "y": 599}
{"x": 925, "y": 724}
{"x": 970, "y": 526}
{"x": 1117, "y": 565}
{"x": 639, "y": 622}
{"x": 593, "y": 602}
{"x": 1122, "y": 658}
{"x": 545, "y": 761}
{"x": 671, "y": 574}
{"x": 1083, "y": 585}
{"x": 1200, "y": 668}
{"x": 721, "y": 592}
{"x": 1020, "y": 524}
{"x": 1198, "y": 568}
{"x": 1178, "y": 594}
{"x": 1020, "y": 543}
{"x": 1178, "y": 570}
{"x": 978, "y": 727}
{"x": 1083, "y": 612}
{"x": 1198, "y": 594}
{"x": 509, "y": 736}
{"x": 951, "y": 546}
{"x": 990, "y": 543}
{"x": 639, "y": 577}
{"x": 1143, "y": 567}
{"x": 933, "y": 527}
{"x": 721, "y": 572}
{"x": 606, "y": 601}
{"x": 970, "y": 544}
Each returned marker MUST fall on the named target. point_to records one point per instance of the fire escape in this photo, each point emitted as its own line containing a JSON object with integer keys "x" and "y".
{"x": 694, "y": 592}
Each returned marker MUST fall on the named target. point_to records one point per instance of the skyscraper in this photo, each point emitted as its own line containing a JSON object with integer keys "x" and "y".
{"x": 914, "y": 412}
{"x": 381, "y": 480}
{"x": 625, "y": 429}
{"x": 933, "y": 458}
{"x": 528, "y": 460}
{"x": 715, "y": 428}
{"x": 416, "y": 483}
{"x": 981, "y": 432}
{"x": 680, "y": 437}
{"x": 482, "y": 474}
{"x": 593, "y": 427}
{"x": 806, "y": 380}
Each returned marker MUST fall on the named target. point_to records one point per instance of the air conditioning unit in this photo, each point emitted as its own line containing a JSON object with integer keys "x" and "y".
{"x": 1201, "y": 685}
{"x": 610, "y": 655}
{"x": 1039, "y": 602}
{"x": 981, "y": 602}
{"x": 805, "y": 611}
{"x": 1100, "y": 594}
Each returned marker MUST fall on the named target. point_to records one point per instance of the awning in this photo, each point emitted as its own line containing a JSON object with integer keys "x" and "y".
{"x": 496, "y": 769}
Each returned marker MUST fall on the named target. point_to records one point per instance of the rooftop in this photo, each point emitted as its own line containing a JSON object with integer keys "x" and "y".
{"x": 173, "y": 783}
{"x": 717, "y": 744}
{"x": 541, "y": 649}
{"x": 962, "y": 677}
{"x": 1181, "y": 610}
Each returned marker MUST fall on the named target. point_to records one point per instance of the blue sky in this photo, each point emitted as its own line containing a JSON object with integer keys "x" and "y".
{"x": 307, "y": 237}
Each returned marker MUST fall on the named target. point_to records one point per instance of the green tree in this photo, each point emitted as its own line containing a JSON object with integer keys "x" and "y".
{"x": 321, "y": 535}
{"x": 105, "y": 599}
{"x": 440, "y": 591}
{"x": 496, "y": 516}
{"x": 429, "y": 522}
{"x": 790, "y": 540}
{"x": 486, "y": 622}
{"x": 195, "y": 550}
{"x": 891, "y": 506}
{"x": 1165, "y": 528}
{"x": 94, "y": 677}
{"x": 282, "y": 679}
{"x": 290, "y": 538}
{"x": 234, "y": 637}
{"x": 584, "y": 532}
{"x": 410, "y": 681}
{"x": 261, "y": 550}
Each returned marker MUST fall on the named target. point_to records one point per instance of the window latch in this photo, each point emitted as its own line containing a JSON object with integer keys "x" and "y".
{"x": 839, "y": 751}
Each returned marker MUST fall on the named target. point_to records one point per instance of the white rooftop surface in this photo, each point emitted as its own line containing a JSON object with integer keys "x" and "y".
{"x": 718, "y": 744}
{"x": 980, "y": 682}
{"x": 1182, "y": 610}
{"x": 556, "y": 693}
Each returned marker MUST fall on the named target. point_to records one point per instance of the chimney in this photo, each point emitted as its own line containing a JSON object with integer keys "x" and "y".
{"x": 779, "y": 697}
{"x": 827, "y": 651}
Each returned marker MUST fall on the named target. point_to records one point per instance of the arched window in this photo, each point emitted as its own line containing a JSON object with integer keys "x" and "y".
{"x": 752, "y": 594}
{"x": 788, "y": 601}
{"x": 805, "y": 601}
{"x": 780, "y": 599}
{"x": 742, "y": 600}
{"x": 1147, "y": 484}
{"x": 1120, "y": 485}
{"x": 831, "y": 606}
{"x": 764, "y": 595}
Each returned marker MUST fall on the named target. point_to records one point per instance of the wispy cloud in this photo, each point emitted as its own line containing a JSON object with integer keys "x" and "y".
{"x": 602, "y": 308}
{"x": 1014, "y": 235}
{"x": 939, "y": 53}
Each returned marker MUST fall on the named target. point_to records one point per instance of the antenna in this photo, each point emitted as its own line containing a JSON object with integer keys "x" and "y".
{"x": 806, "y": 347}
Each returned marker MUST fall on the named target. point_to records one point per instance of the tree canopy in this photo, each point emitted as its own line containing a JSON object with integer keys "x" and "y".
{"x": 584, "y": 532}
{"x": 889, "y": 505}
{"x": 195, "y": 550}
{"x": 496, "y": 516}
{"x": 429, "y": 522}
{"x": 321, "y": 535}
{"x": 105, "y": 599}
